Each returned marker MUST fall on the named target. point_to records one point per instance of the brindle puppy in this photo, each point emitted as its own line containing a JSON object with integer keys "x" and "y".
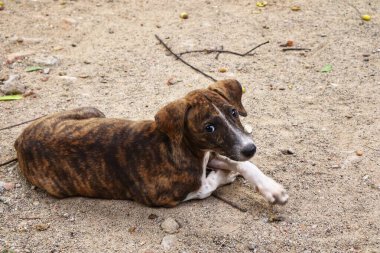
{"x": 157, "y": 163}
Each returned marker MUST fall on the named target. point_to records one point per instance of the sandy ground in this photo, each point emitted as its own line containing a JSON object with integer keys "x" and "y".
{"x": 108, "y": 57}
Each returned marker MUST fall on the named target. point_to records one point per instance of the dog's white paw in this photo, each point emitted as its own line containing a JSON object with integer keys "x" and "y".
{"x": 273, "y": 191}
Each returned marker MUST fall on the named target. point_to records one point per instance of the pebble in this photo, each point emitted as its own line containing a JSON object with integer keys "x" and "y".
{"x": 66, "y": 215}
{"x": 11, "y": 58}
{"x": 170, "y": 226}
{"x": 3, "y": 76}
{"x": 152, "y": 216}
{"x": 169, "y": 242}
{"x": 12, "y": 86}
{"x": 359, "y": 152}
{"x": 288, "y": 151}
{"x": 5, "y": 200}
{"x": 42, "y": 226}
{"x": 6, "y": 186}
{"x": 46, "y": 71}
{"x": 46, "y": 60}
{"x": 252, "y": 247}
{"x": 36, "y": 203}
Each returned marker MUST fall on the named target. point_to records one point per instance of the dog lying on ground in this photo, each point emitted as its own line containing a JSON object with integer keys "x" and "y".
{"x": 157, "y": 163}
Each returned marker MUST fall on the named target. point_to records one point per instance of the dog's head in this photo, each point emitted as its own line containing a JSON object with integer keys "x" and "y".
{"x": 208, "y": 119}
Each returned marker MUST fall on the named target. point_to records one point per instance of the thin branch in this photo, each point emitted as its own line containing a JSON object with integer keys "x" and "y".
{"x": 8, "y": 162}
{"x": 296, "y": 49}
{"x": 8, "y": 127}
{"x": 183, "y": 61}
{"x": 221, "y": 51}
{"x": 30, "y": 218}
{"x": 217, "y": 54}
{"x": 266, "y": 42}
{"x": 217, "y": 196}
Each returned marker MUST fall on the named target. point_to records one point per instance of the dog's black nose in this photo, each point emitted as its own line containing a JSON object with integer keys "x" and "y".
{"x": 249, "y": 150}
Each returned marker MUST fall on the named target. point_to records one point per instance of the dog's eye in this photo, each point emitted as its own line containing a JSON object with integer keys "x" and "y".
{"x": 210, "y": 128}
{"x": 234, "y": 113}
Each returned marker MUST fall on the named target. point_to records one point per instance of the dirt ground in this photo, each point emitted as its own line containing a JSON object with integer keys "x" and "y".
{"x": 104, "y": 54}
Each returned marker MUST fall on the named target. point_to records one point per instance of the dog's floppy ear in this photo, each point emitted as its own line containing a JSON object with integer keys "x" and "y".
{"x": 231, "y": 90}
{"x": 171, "y": 119}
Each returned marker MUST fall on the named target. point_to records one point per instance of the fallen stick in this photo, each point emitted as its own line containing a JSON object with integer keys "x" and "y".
{"x": 19, "y": 124}
{"x": 183, "y": 61}
{"x": 217, "y": 196}
{"x": 221, "y": 51}
{"x": 296, "y": 49}
{"x": 8, "y": 162}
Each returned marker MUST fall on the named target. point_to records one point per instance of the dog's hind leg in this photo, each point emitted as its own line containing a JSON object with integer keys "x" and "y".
{"x": 78, "y": 114}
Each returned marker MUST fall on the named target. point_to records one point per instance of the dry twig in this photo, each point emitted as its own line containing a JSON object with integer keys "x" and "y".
{"x": 296, "y": 49}
{"x": 19, "y": 124}
{"x": 8, "y": 162}
{"x": 182, "y": 60}
{"x": 221, "y": 51}
{"x": 217, "y": 196}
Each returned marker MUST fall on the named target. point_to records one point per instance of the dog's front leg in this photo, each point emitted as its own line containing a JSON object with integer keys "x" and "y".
{"x": 211, "y": 183}
{"x": 270, "y": 189}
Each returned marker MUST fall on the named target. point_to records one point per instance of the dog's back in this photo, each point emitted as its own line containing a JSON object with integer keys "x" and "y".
{"x": 81, "y": 153}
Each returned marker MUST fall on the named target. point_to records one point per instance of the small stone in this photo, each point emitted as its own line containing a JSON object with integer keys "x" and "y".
{"x": 335, "y": 166}
{"x": 169, "y": 242}
{"x": 252, "y": 247}
{"x": 86, "y": 62}
{"x": 152, "y": 216}
{"x": 46, "y": 60}
{"x": 36, "y": 203}
{"x": 18, "y": 185}
{"x": 359, "y": 152}
{"x": 42, "y": 226}
{"x": 314, "y": 226}
{"x": 132, "y": 230}
{"x": 111, "y": 31}
{"x": 8, "y": 186}
{"x": 46, "y": 71}
{"x": 170, "y": 226}
{"x": 66, "y": 215}
{"x": 72, "y": 219}
{"x": 3, "y": 76}
{"x": 4, "y": 200}
{"x": 12, "y": 86}
{"x": 288, "y": 151}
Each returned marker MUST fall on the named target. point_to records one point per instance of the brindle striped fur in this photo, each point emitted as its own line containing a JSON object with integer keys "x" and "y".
{"x": 157, "y": 163}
